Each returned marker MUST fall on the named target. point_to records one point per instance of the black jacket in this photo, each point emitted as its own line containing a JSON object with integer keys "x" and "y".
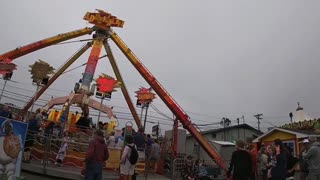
{"x": 279, "y": 172}
{"x": 241, "y": 165}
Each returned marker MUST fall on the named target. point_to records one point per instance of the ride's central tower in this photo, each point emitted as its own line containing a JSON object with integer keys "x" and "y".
{"x": 92, "y": 61}
{"x": 103, "y": 21}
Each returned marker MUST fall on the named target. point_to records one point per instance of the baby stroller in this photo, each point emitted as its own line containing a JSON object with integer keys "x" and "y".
{"x": 187, "y": 172}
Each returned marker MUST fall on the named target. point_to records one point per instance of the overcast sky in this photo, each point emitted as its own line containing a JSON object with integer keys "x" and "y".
{"x": 216, "y": 58}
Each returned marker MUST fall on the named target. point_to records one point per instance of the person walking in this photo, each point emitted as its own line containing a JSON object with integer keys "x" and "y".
{"x": 126, "y": 166}
{"x": 149, "y": 143}
{"x": 313, "y": 159}
{"x": 154, "y": 155}
{"x": 139, "y": 140}
{"x": 96, "y": 155}
{"x": 240, "y": 163}
{"x": 38, "y": 117}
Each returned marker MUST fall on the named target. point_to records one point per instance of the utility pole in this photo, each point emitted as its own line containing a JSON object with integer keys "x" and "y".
{"x": 259, "y": 117}
{"x": 158, "y": 130}
{"x": 225, "y": 122}
{"x": 244, "y": 129}
{"x": 238, "y": 121}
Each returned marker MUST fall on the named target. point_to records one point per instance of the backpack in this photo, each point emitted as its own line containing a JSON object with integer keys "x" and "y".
{"x": 134, "y": 155}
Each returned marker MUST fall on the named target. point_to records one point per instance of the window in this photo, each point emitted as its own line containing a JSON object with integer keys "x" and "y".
{"x": 213, "y": 135}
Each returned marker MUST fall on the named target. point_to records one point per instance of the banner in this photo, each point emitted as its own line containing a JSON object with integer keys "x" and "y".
{"x": 114, "y": 159}
{"x": 12, "y": 138}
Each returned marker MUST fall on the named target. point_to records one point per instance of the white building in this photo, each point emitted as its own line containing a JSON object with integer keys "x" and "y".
{"x": 221, "y": 138}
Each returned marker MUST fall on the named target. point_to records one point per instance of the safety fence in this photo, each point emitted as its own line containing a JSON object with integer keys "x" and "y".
{"x": 44, "y": 150}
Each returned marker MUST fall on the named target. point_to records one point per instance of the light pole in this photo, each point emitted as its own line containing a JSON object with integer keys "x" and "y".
{"x": 34, "y": 100}
{"x": 142, "y": 108}
{"x": 145, "y": 97}
{"x": 4, "y": 86}
{"x": 102, "y": 98}
{"x": 145, "y": 116}
{"x": 291, "y": 116}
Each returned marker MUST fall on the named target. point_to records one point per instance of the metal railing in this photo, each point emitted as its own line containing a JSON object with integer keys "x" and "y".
{"x": 44, "y": 150}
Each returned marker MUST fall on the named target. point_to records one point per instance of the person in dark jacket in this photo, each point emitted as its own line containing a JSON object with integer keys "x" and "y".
{"x": 279, "y": 171}
{"x": 292, "y": 163}
{"x": 96, "y": 155}
{"x": 240, "y": 163}
{"x": 83, "y": 123}
{"x": 139, "y": 140}
{"x": 303, "y": 163}
{"x": 48, "y": 131}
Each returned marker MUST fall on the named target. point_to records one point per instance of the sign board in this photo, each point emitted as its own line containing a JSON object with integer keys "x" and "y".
{"x": 145, "y": 95}
{"x": 105, "y": 84}
{"x": 155, "y": 130}
{"x": 12, "y": 139}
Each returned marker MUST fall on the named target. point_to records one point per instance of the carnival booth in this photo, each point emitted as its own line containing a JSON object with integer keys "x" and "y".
{"x": 291, "y": 134}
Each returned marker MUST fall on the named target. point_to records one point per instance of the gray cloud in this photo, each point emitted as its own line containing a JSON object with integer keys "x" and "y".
{"x": 216, "y": 58}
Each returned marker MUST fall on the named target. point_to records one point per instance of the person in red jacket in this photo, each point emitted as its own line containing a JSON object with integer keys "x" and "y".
{"x": 96, "y": 155}
{"x": 253, "y": 155}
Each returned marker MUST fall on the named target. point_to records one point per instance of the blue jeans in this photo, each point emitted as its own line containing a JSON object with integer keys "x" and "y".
{"x": 93, "y": 171}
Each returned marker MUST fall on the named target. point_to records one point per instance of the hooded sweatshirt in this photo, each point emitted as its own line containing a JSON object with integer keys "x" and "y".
{"x": 313, "y": 157}
{"x": 97, "y": 151}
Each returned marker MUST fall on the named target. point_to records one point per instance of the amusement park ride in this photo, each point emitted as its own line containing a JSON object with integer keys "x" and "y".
{"x": 102, "y": 29}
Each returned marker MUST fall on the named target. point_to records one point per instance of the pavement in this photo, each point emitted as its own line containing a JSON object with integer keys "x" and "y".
{"x": 32, "y": 176}
{"x": 33, "y": 171}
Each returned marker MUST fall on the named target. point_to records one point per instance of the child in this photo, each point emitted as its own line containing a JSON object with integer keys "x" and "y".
{"x": 62, "y": 151}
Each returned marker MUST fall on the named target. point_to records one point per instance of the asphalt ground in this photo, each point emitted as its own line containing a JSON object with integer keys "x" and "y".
{"x": 33, "y": 176}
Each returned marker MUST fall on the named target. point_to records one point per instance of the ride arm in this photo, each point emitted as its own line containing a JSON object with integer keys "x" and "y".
{"x": 23, "y": 50}
{"x": 60, "y": 71}
{"x": 123, "y": 85}
{"x": 167, "y": 99}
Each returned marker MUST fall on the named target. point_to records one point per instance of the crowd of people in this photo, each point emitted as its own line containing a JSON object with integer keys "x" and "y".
{"x": 135, "y": 146}
{"x": 194, "y": 170}
{"x": 276, "y": 162}
{"x": 272, "y": 162}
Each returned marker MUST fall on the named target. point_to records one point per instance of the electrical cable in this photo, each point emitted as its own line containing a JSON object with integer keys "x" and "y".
{"x": 81, "y": 40}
